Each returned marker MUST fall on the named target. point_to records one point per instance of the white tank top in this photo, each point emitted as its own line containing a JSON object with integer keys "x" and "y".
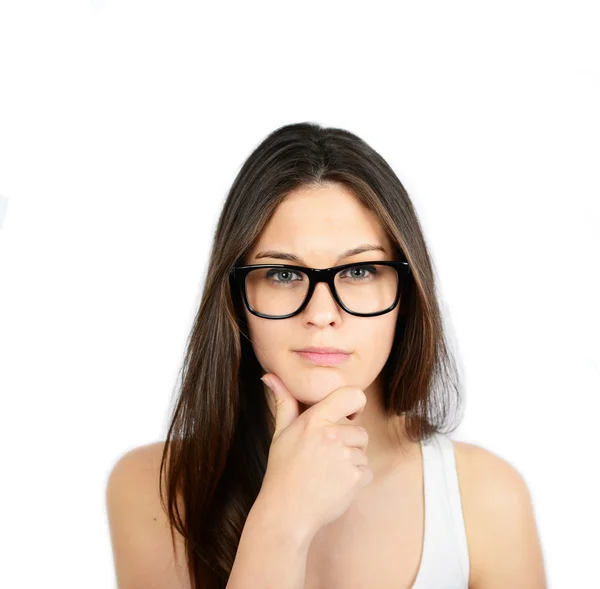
{"x": 445, "y": 557}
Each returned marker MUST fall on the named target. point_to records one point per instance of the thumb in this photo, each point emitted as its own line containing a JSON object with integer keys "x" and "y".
{"x": 286, "y": 406}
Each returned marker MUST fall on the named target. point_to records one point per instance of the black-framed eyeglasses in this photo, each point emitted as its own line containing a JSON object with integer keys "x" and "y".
{"x": 280, "y": 291}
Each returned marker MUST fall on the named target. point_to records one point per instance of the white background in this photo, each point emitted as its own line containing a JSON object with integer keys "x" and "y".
{"x": 122, "y": 126}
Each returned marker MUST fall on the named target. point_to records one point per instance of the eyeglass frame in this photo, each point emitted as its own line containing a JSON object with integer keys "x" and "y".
{"x": 316, "y": 275}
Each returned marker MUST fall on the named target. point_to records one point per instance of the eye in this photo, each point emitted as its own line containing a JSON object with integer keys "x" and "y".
{"x": 370, "y": 269}
{"x": 271, "y": 273}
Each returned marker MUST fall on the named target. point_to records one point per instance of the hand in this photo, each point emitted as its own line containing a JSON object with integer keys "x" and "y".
{"x": 316, "y": 464}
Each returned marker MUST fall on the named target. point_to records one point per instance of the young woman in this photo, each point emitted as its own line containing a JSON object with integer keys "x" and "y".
{"x": 340, "y": 474}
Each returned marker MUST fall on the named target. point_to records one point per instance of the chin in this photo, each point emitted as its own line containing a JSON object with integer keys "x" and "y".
{"x": 311, "y": 385}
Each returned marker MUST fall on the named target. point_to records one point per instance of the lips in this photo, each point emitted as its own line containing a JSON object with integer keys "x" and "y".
{"x": 324, "y": 359}
{"x": 323, "y": 350}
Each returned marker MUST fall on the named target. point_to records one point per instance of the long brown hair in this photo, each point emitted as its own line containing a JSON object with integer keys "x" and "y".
{"x": 218, "y": 441}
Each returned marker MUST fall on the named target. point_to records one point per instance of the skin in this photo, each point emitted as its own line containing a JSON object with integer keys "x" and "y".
{"x": 317, "y": 224}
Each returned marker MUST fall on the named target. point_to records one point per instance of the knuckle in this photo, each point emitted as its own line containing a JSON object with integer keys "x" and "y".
{"x": 329, "y": 433}
{"x": 310, "y": 420}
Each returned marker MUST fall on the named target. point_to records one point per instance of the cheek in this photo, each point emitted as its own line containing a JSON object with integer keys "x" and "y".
{"x": 375, "y": 342}
{"x": 269, "y": 342}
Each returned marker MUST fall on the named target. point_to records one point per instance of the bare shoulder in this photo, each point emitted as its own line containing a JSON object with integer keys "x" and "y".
{"x": 504, "y": 546}
{"x": 139, "y": 528}
{"x": 146, "y": 458}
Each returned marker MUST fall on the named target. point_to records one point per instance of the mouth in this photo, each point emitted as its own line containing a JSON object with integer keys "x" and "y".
{"x": 324, "y": 359}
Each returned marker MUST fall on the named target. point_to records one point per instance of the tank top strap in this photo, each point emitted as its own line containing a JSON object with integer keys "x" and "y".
{"x": 445, "y": 558}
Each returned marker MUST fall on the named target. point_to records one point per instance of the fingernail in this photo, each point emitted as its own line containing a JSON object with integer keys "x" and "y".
{"x": 267, "y": 382}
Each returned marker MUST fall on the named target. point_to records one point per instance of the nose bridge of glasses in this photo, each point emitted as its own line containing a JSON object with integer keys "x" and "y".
{"x": 326, "y": 279}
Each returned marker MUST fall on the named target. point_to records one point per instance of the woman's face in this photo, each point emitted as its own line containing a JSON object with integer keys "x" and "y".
{"x": 317, "y": 224}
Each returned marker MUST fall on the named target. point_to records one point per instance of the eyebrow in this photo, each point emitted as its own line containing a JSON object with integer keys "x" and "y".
{"x": 359, "y": 249}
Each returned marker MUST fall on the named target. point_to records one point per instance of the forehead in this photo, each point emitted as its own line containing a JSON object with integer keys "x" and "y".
{"x": 319, "y": 223}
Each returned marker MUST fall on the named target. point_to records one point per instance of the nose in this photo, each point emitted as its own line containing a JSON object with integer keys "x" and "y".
{"x": 319, "y": 288}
